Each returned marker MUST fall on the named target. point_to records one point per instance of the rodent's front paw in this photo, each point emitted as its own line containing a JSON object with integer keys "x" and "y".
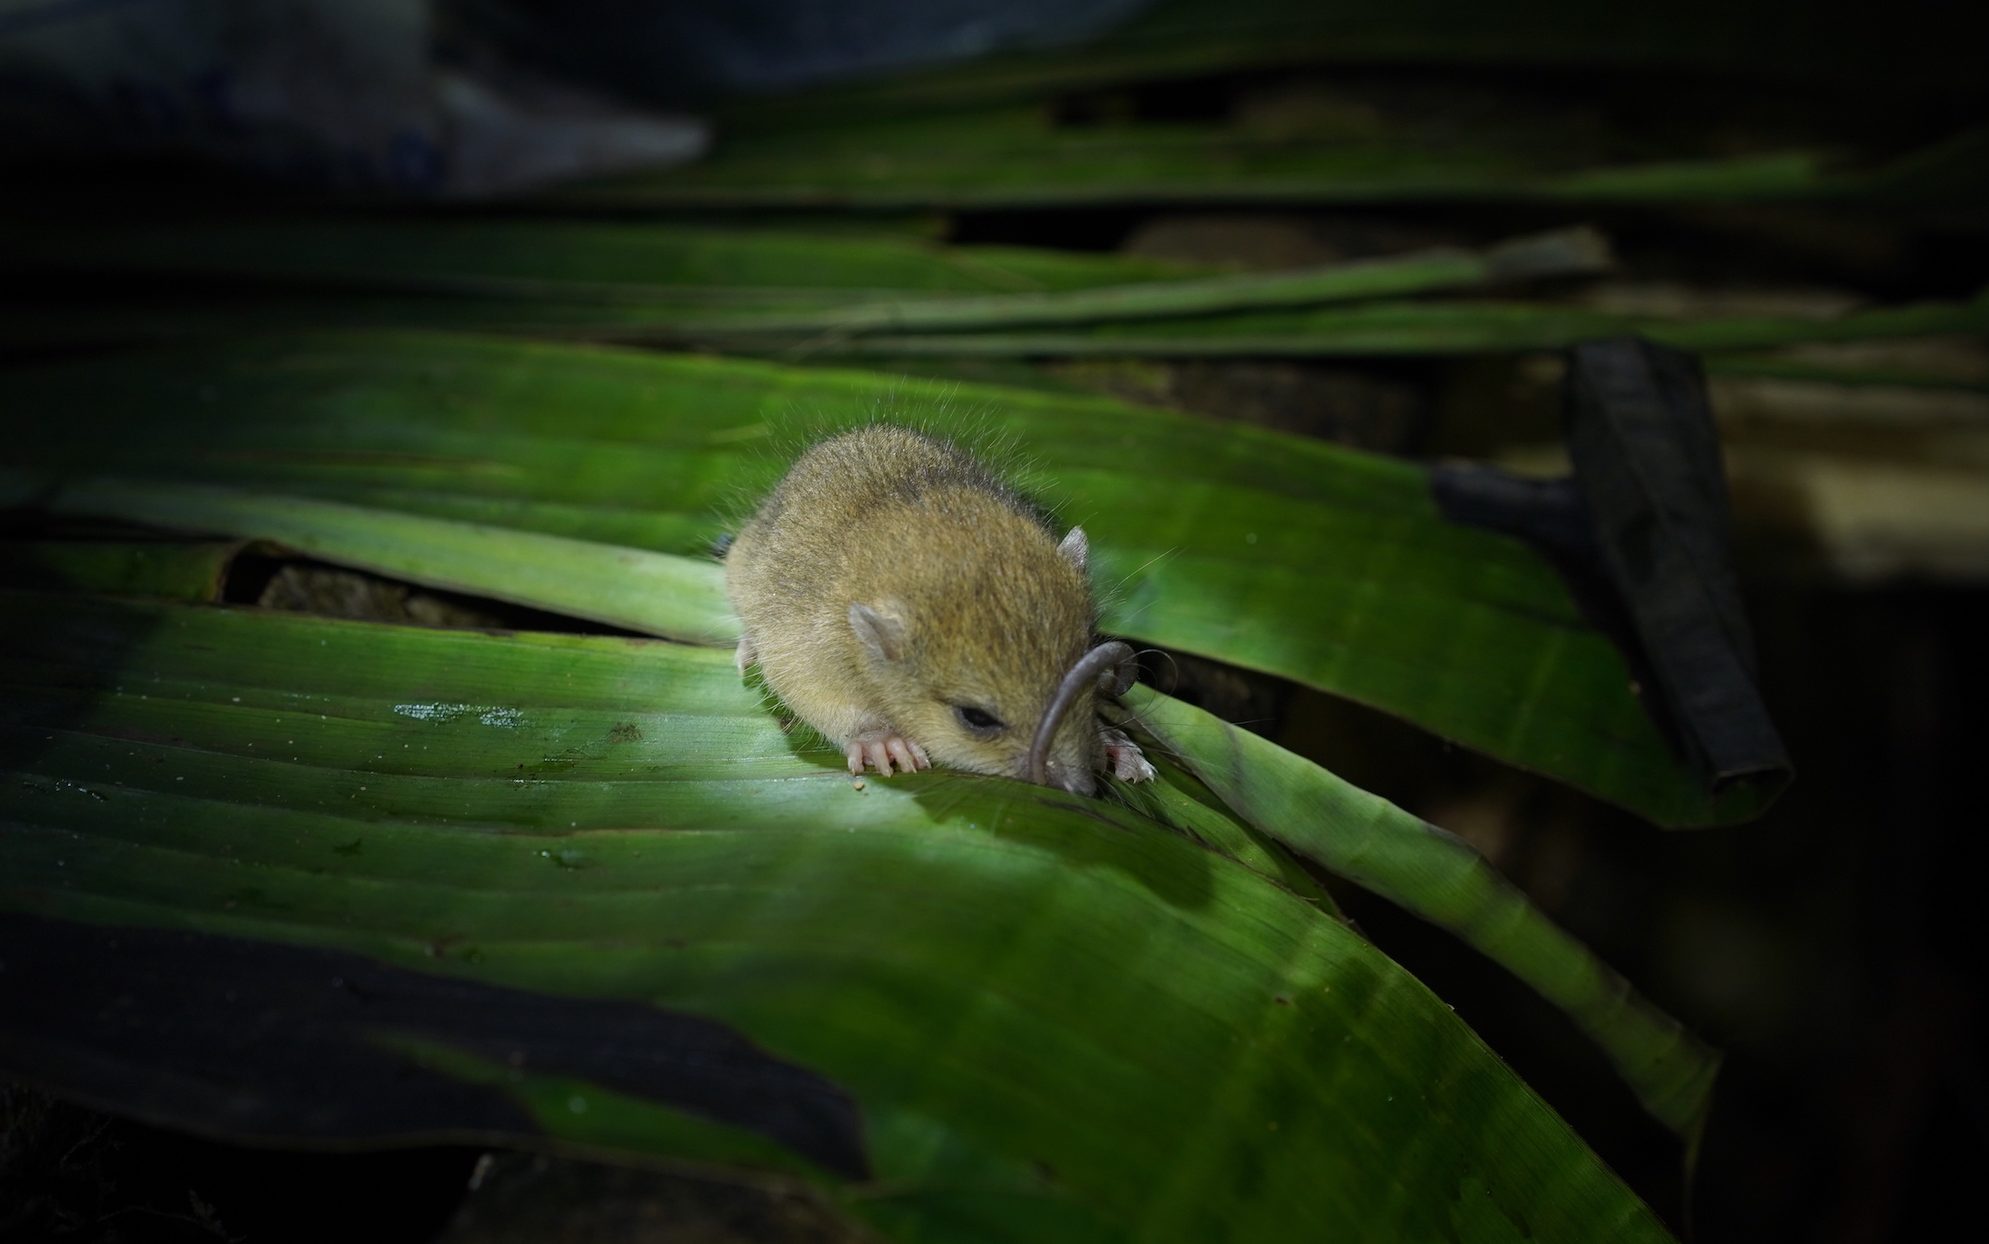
{"x": 881, "y": 749}
{"x": 1124, "y": 757}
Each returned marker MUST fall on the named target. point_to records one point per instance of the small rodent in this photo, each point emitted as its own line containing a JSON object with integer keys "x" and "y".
{"x": 914, "y": 609}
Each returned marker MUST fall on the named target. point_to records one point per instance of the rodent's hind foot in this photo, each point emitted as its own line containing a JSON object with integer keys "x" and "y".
{"x": 881, "y": 749}
{"x": 1123, "y": 757}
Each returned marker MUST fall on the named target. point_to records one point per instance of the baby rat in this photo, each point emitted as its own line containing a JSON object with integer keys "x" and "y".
{"x": 915, "y": 610}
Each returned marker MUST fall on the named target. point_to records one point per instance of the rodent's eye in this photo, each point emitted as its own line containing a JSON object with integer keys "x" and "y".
{"x": 979, "y": 720}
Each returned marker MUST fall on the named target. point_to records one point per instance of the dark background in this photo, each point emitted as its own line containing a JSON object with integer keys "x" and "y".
{"x": 1831, "y": 948}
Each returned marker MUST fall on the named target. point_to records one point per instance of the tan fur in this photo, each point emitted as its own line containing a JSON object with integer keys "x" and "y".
{"x": 953, "y": 565}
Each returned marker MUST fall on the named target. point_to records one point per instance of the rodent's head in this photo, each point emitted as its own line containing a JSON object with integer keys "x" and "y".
{"x": 968, "y": 662}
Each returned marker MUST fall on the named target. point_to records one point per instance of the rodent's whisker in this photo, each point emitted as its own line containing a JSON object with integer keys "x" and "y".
{"x": 1144, "y": 566}
{"x": 1173, "y": 666}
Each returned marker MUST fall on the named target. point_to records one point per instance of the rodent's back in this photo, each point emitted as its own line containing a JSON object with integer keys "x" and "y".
{"x": 851, "y": 473}
{"x": 823, "y": 522}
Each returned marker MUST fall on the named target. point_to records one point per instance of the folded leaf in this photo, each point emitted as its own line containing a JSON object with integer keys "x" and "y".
{"x": 1373, "y": 843}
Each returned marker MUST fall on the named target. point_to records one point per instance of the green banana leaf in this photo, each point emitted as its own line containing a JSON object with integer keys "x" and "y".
{"x": 712, "y": 268}
{"x": 1010, "y": 158}
{"x": 1187, "y": 39}
{"x": 765, "y": 280}
{"x": 1428, "y": 326}
{"x": 797, "y": 295}
{"x": 1291, "y": 802}
{"x": 1438, "y": 876}
{"x": 583, "y": 479}
{"x": 1381, "y": 328}
{"x": 954, "y": 1007}
{"x": 1000, "y": 133}
{"x": 688, "y": 283}
{"x": 1179, "y": 166}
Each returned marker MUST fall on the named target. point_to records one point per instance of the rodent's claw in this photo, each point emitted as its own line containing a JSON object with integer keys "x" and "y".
{"x": 881, "y": 751}
{"x": 909, "y": 755}
{"x": 1124, "y": 757}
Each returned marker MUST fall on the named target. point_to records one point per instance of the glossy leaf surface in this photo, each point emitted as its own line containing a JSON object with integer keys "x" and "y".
{"x": 1299, "y": 559}
{"x": 959, "y": 1007}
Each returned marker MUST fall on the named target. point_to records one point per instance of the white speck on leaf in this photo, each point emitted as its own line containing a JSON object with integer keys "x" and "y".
{"x": 501, "y": 718}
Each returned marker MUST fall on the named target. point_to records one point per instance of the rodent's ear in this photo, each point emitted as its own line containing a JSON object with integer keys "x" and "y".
{"x": 882, "y": 634}
{"x": 1076, "y": 547}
